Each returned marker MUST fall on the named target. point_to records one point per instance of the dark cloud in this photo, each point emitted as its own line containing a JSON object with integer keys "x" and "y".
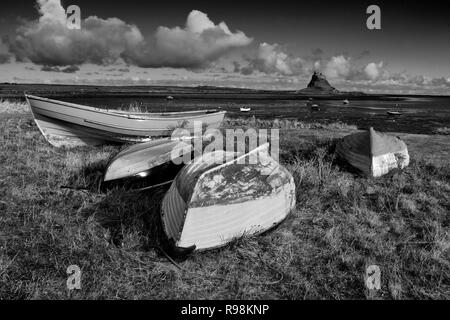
{"x": 236, "y": 66}
{"x": 5, "y": 55}
{"x": 441, "y": 82}
{"x": 50, "y": 69}
{"x": 68, "y": 69}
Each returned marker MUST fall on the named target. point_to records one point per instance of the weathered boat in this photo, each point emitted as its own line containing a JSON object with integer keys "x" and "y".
{"x": 148, "y": 164}
{"x": 68, "y": 124}
{"x": 373, "y": 153}
{"x": 209, "y": 204}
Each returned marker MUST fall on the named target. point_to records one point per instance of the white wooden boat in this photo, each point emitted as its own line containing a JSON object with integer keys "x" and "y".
{"x": 149, "y": 163}
{"x": 210, "y": 204}
{"x": 245, "y": 109}
{"x": 71, "y": 125}
{"x": 373, "y": 153}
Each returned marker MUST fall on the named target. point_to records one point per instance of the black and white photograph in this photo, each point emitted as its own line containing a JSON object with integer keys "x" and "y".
{"x": 246, "y": 152}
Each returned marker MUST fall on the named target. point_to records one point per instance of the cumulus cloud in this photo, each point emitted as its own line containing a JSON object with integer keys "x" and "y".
{"x": 373, "y": 70}
{"x": 198, "y": 43}
{"x": 338, "y": 67}
{"x": 344, "y": 68}
{"x": 270, "y": 59}
{"x": 47, "y": 41}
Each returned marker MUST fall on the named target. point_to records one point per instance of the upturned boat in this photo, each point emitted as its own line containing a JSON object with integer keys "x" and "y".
{"x": 221, "y": 196}
{"x": 373, "y": 153}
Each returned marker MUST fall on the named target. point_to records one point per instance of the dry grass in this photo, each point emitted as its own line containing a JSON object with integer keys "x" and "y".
{"x": 444, "y": 130}
{"x": 13, "y": 107}
{"x": 342, "y": 223}
{"x": 284, "y": 124}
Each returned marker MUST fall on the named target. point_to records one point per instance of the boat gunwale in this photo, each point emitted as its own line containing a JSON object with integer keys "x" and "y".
{"x": 118, "y": 114}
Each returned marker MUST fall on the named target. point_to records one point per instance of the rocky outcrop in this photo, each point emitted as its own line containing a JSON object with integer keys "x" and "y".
{"x": 319, "y": 85}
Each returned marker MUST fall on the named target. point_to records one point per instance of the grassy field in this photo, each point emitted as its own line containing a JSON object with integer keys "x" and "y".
{"x": 342, "y": 223}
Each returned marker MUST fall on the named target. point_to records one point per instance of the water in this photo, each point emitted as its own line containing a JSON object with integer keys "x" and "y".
{"x": 419, "y": 115}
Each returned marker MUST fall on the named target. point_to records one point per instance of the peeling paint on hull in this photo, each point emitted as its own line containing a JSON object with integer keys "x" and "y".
{"x": 208, "y": 205}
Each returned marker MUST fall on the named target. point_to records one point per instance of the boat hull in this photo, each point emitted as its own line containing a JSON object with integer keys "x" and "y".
{"x": 208, "y": 205}
{"x": 71, "y": 125}
{"x": 148, "y": 164}
{"x": 374, "y": 154}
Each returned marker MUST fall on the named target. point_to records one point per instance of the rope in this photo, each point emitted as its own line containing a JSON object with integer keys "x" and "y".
{"x": 151, "y": 187}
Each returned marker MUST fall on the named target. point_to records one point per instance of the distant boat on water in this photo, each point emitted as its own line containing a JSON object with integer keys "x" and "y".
{"x": 70, "y": 125}
{"x": 245, "y": 109}
{"x": 346, "y": 101}
{"x": 394, "y": 113}
{"x": 170, "y": 98}
{"x": 315, "y": 107}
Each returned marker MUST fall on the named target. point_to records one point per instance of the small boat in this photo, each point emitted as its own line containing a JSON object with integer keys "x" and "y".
{"x": 346, "y": 101}
{"x": 170, "y": 98}
{"x": 394, "y": 113}
{"x": 245, "y": 109}
{"x": 210, "y": 204}
{"x": 315, "y": 107}
{"x": 70, "y": 125}
{"x": 373, "y": 153}
{"x": 148, "y": 164}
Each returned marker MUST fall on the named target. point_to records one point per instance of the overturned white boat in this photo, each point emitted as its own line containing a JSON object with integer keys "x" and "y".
{"x": 210, "y": 204}
{"x": 157, "y": 161}
{"x": 373, "y": 153}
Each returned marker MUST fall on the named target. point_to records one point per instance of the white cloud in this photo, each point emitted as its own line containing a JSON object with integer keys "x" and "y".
{"x": 374, "y": 70}
{"x": 195, "y": 45}
{"x": 270, "y": 59}
{"x": 338, "y": 67}
{"x": 48, "y": 41}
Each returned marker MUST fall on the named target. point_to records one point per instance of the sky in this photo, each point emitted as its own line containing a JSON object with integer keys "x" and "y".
{"x": 251, "y": 44}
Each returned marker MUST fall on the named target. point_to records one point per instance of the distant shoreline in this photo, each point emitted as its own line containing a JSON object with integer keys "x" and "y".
{"x": 15, "y": 91}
